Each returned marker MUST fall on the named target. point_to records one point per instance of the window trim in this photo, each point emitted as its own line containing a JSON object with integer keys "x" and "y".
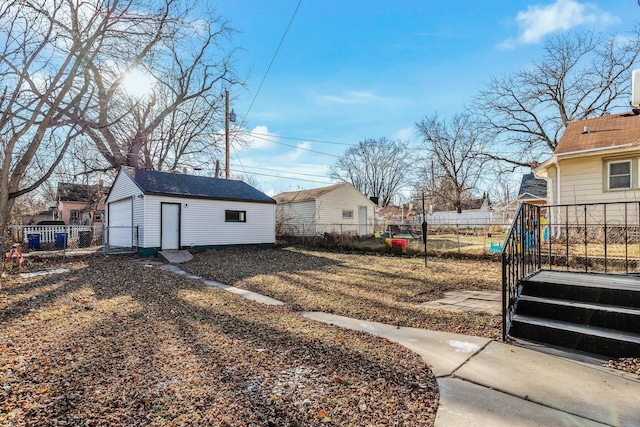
{"x": 347, "y": 213}
{"x": 242, "y": 215}
{"x": 630, "y": 175}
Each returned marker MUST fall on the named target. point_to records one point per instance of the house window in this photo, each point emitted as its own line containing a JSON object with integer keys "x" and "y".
{"x": 235, "y": 216}
{"x": 74, "y": 215}
{"x": 347, "y": 214}
{"x": 620, "y": 175}
{"x": 97, "y": 216}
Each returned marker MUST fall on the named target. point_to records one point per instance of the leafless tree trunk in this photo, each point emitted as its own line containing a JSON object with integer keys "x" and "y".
{"x": 376, "y": 167}
{"x": 455, "y": 160}
{"x": 42, "y": 82}
{"x": 580, "y": 76}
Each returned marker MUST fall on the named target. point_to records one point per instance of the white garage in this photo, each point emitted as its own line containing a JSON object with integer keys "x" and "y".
{"x": 152, "y": 211}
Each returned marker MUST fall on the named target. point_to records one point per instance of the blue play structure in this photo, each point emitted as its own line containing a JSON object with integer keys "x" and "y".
{"x": 495, "y": 247}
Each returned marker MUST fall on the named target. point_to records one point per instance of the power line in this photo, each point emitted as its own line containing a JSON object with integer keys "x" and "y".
{"x": 272, "y": 60}
{"x": 297, "y": 147}
{"x": 278, "y": 170}
{"x": 304, "y": 139}
{"x": 286, "y": 177}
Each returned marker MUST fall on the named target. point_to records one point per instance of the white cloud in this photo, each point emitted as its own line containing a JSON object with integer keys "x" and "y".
{"x": 406, "y": 134}
{"x": 296, "y": 154}
{"x": 539, "y": 21}
{"x": 354, "y": 97}
{"x": 260, "y": 139}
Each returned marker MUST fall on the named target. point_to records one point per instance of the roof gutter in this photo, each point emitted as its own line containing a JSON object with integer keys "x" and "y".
{"x": 630, "y": 146}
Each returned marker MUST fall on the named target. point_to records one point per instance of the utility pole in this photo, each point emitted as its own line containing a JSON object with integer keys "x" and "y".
{"x": 226, "y": 135}
{"x": 228, "y": 117}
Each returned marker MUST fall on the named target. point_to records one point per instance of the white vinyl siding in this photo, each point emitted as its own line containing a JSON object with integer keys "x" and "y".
{"x": 298, "y": 218}
{"x": 203, "y": 222}
{"x": 330, "y": 208}
{"x": 585, "y": 180}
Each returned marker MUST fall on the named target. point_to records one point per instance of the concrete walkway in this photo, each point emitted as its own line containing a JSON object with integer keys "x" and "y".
{"x": 488, "y": 383}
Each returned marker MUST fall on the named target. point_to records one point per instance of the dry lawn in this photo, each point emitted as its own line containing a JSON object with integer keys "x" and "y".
{"x": 113, "y": 342}
{"x": 370, "y": 287}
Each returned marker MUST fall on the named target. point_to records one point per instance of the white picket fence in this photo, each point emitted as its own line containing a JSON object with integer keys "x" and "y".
{"x": 48, "y": 233}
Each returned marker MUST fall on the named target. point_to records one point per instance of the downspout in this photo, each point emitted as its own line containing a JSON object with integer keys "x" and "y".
{"x": 557, "y": 203}
{"x": 552, "y": 200}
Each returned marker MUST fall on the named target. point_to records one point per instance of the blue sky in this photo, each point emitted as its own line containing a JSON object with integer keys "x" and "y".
{"x": 351, "y": 70}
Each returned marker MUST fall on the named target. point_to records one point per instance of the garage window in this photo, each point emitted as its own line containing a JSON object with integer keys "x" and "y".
{"x": 235, "y": 216}
{"x": 620, "y": 175}
{"x": 347, "y": 214}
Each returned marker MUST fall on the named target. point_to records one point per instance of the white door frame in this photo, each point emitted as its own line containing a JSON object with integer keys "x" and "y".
{"x": 169, "y": 226}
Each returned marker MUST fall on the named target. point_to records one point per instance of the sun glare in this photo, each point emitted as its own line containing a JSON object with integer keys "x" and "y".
{"x": 137, "y": 84}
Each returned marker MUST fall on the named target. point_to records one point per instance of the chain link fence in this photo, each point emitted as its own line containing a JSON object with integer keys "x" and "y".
{"x": 468, "y": 238}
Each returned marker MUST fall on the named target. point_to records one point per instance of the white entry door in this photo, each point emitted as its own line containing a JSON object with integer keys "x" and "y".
{"x": 170, "y": 226}
{"x": 362, "y": 220}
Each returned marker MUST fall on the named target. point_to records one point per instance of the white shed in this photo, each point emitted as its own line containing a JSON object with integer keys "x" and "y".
{"x": 153, "y": 211}
{"x": 338, "y": 208}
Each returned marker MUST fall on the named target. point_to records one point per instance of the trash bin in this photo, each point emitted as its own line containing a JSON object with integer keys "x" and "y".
{"x": 33, "y": 241}
{"x": 84, "y": 238}
{"x": 61, "y": 240}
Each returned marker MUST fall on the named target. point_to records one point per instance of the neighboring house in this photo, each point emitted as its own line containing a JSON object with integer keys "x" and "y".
{"x": 80, "y": 204}
{"x": 154, "y": 211}
{"x": 475, "y": 213}
{"x": 532, "y": 190}
{"x": 338, "y": 208}
{"x": 596, "y": 160}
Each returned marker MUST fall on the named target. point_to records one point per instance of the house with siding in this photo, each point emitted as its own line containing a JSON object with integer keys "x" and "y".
{"x": 80, "y": 204}
{"x": 152, "y": 211}
{"x": 596, "y": 160}
{"x": 339, "y": 208}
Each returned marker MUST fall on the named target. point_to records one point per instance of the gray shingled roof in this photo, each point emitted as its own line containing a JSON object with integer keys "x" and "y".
{"x": 191, "y": 186}
{"x": 532, "y": 188}
{"x": 304, "y": 195}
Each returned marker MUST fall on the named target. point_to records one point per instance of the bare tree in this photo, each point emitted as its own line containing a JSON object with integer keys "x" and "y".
{"x": 580, "y": 76}
{"x": 376, "y": 167}
{"x": 189, "y": 63}
{"x": 62, "y": 69}
{"x": 42, "y": 82}
{"x": 454, "y": 158}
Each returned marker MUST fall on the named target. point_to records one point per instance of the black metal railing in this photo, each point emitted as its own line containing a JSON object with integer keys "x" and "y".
{"x": 588, "y": 237}
{"x": 520, "y": 258}
{"x": 592, "y": 237}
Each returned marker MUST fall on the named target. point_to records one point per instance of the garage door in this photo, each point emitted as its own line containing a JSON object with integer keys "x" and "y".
{"x": 121, "y": 223}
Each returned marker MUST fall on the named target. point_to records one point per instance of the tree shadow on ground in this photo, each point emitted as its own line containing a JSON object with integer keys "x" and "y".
{"x": 157, "y": 348}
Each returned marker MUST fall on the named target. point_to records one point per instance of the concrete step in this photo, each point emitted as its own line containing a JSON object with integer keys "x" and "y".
{"x": 585, "y": 313}
{"x": 591, "y": 339}
{"x": 617, "y": 290}
{"x": 175, "y": 256}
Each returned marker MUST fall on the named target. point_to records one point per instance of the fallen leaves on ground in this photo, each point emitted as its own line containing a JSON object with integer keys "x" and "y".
{"x": 369, "y": 287}
{"x": 113, "y": 342}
